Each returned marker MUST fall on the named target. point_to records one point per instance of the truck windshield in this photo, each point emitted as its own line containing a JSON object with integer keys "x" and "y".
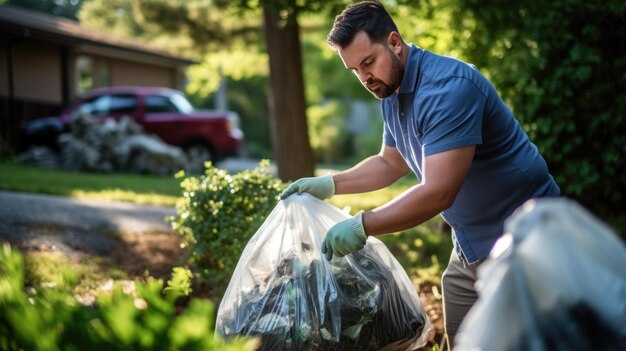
{"x": 181, "y": 102}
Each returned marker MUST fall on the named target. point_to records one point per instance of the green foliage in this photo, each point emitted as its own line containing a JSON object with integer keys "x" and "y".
{"x": 180, "y": 284}
{"x": 324, "y": 73}
{"x": 327, "y": 131}
{"x": 188, "y": 27}
{"x": 62, "y": 8}
{"x": 116, "y": 17}
{"x": 52, "y": 268}
{"x": 560, "y": 65}
{"x": 237, "y": 64}
{"x": 144, "y": 319}
{"x": 248, "y": 97}
{"x": 219, "y": 213}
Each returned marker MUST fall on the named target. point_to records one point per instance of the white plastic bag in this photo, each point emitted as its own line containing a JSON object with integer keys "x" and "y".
{"x": 555, "y": 281}
{"x": 284, "y": 290}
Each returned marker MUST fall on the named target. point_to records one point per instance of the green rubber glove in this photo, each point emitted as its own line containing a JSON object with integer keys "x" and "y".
{"x": 345, "y": 237}
{"x": 321, "y": 187}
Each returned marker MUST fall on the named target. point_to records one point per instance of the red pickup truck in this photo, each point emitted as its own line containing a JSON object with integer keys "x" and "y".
{"x": 164, "y": 112}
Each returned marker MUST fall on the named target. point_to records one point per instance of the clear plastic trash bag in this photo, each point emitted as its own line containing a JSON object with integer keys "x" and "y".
{"x": 555, "y": 281}
{"x": 285, "y": 292}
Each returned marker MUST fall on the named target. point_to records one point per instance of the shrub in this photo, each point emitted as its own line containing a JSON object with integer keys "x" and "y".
{"x": 143, "y": 319}
{"x": 218, "y": 214}
{"x": 560, "y": 65}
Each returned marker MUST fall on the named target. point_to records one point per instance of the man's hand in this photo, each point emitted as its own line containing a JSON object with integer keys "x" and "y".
{"x": 321, "y": 187}
{"x": 345, "y": 237}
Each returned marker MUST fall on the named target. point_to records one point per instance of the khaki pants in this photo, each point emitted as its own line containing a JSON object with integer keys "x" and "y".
{"x": 459, "y": 293}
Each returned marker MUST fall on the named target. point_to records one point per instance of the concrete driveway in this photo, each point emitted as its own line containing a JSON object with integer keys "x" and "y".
{"x": 83, "y": 214}
{"x": 78, "y": 228}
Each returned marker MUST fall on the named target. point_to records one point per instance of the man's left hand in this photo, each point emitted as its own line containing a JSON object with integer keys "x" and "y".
{"x": 345, "y": 237}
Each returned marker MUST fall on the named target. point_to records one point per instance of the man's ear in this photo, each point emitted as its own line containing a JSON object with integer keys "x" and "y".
{"x": 394, "y": 40}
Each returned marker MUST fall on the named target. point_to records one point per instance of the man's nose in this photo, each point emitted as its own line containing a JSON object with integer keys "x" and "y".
{"x": 363, "y": 76}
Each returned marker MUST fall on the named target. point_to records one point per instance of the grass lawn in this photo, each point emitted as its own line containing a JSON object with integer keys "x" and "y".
{"x": 147, "y": 190}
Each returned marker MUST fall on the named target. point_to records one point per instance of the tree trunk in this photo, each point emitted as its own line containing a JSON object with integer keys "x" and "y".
{"x": 288, "y": 125}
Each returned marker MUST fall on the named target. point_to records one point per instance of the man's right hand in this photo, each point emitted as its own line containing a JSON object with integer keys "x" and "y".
{"x": 321, "y": 187}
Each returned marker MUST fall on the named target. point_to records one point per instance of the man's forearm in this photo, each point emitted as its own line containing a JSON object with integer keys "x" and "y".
{"x": 413, "y": 207}
{"x": 444, "y": 174}
{"x": 370, "y": 174}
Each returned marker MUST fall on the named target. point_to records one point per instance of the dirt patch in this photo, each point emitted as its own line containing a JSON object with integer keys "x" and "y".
{"x": 149, "y": 254}
{"x": 136, "y": 255}
{"x": 75, "y": 243}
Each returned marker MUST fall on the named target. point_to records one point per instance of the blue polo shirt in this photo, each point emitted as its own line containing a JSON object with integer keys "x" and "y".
{"x": 443, "y": 104}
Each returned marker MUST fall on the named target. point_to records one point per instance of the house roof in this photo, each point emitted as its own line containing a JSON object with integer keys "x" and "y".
{"x": 30, "y": 24}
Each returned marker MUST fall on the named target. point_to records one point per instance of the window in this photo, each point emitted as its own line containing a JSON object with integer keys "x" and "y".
{"x": 159, "y": 104}
{"x": 84, "y": 74}
{"x": 91, "y": 73}
{"x": 123, "y": 103}
{"x": 181, "y": 103}
{"x": 108, "y": 104}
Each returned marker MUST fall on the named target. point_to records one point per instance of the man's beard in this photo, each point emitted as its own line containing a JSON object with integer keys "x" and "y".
{"x": 383, "y": 89}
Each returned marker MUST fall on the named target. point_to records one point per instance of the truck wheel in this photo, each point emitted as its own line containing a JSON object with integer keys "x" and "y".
{"x": 197, "y": 154}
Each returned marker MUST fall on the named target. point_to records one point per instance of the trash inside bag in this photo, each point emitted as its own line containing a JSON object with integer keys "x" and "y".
{"x": 555, "y": 281}
{"x": 286, "y": 293}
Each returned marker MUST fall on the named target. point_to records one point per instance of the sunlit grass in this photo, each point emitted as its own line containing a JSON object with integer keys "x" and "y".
{"x": 126, "y": 196}
{"x": 142, "y": 189}
{"x": 54, "y": 269}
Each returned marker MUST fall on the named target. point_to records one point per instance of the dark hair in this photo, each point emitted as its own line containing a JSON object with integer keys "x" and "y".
{"x": 369, "y": 16}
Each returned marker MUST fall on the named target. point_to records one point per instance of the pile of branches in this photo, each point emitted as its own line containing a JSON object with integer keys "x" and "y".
{"x": 109, "y": 146}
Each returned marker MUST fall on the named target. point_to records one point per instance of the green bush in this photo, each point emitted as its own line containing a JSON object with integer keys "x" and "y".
{"x": 560, "y": 65}
{"x": 218, "y": 214}
{"x": 145, "y": 318}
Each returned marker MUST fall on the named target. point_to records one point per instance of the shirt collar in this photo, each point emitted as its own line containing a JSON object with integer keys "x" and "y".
{"x": 411, "y": 70}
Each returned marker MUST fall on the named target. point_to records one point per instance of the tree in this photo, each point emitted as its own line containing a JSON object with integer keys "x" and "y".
{"x": 288, "y": 122}
{"x": 62, "y": 8}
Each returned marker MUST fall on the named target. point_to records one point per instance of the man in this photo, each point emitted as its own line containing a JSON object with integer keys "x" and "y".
{"x": 445, "y": 122}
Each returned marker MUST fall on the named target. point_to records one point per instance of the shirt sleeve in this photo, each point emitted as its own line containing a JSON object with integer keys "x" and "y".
{"x": 454, "y": 116}
{"x": 388, "y": 138}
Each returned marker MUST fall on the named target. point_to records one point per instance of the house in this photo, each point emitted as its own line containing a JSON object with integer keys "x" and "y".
{"x": 46, "y": 61}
